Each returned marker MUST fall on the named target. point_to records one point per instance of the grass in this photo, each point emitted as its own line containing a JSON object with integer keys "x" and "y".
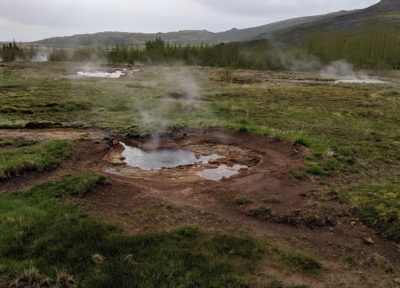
{"x": 21, "y": 155}
{"x": 261, "y": 212}
{"x": 277, "y": 284}
{"x": 242, "y": 201}
{"x": 304, "y": 263}
{"x": 44, "y": 238}
{"x": 351, "y": 131}
{"x": 378, "y": 205}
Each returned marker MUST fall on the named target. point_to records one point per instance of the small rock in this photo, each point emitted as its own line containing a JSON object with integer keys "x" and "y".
{"x": 369, "y": 241}
{"x": 97, "y": 259}
{"x": 332, "y": 153}
{"x": 353, "y": 223}
{"x": 397, "y": 281}
{"x": 115, "y": 142}
{"x": 130, "y": 260}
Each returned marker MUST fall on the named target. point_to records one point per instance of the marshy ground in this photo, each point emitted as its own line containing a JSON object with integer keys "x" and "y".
{"x": 317, "y": 205}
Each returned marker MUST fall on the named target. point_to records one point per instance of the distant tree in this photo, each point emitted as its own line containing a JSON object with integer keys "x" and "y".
{"x": 11, "y": 52}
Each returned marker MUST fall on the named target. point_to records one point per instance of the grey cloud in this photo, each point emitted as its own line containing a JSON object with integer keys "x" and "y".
{"x": 283, "y": 8}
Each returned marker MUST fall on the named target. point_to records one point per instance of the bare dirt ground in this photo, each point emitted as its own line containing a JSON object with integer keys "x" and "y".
{"x": 142, "y": 201}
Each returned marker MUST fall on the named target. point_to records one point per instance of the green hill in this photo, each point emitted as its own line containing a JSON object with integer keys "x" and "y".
{"x": 367, "y": 38}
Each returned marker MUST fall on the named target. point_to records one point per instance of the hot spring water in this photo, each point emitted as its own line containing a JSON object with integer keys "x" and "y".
{"x": 172, "y": 157}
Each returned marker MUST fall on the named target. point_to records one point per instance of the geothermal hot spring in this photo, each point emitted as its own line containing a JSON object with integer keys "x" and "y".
{"x": 165, "y": 158}
{"x": 188, "y": 160}
{"x": 362, "y": 81}
{"x": 100, "y": 74}
{"x": 114, "y": 74}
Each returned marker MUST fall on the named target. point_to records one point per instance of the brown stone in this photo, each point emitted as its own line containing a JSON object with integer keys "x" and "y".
{"x": 369, "y": 241}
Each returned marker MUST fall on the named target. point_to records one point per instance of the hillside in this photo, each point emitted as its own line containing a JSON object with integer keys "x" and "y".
{"x": 386, "y": 12}
{"x": 368, "y": 38}
{"x": 186, "y": 36}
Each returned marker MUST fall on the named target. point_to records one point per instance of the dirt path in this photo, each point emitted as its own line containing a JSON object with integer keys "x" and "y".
{"x": 153, "y": 202}
{"x": 52, "y": 134}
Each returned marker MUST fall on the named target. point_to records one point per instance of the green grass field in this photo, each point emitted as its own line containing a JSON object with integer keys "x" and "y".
{"x": 352, "y": 132}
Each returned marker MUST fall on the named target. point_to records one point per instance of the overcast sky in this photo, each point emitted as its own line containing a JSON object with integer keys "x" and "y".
{"x": 28, "y": 20}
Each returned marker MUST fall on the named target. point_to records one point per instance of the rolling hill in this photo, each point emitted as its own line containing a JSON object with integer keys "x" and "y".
{"x": 386, "y": 11}
{"x": 368, "y": 38}
{"x": 186, "y": 36}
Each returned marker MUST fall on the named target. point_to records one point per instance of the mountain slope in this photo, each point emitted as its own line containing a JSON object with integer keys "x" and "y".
{"x": 367, "y": 38}
{"x": 186, "y": 36}
{"x": 385, "y": 12}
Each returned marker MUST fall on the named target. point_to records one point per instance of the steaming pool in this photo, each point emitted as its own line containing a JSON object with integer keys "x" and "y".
{"x": 100, "y": 74}
{"x": 361, "y": 81}
{"x": 166, "y": 158}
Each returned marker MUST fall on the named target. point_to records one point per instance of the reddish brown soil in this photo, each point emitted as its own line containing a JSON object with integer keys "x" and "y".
{"x": 163, "y": 203}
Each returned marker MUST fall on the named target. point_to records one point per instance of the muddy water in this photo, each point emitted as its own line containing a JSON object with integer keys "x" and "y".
{"x": 157, "y": 159}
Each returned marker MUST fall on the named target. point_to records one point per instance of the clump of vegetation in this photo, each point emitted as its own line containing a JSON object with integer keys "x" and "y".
{"x": 41, "y": 231}
{"x": 17, "y": 142}
{"x": 301, "y": 262}
{"x": 297, "y": 175}
{"x": 277, "y": 284}
{"x": 312, "y": 218}
{"x": 273, "y": 200}
{"x": 242, "y": 201}
{"x": 239, "y": 246}
{"x": 261, "y": 212}
{"x": 31, "y": 156}
{"x": 378, "y": 206}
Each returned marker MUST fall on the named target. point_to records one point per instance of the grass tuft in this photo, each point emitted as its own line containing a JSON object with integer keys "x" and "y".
{"x": 32, "y": 156}
{"x": 301, "y": 262}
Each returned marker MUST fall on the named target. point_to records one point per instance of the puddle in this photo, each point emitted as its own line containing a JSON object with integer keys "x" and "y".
{"x": 221, "y": 172}
{"x": 171, "y": 158}
{"x": 362, "y": 81}
{"x": 100, "y": 74}
{"x": 157, "y": 159}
